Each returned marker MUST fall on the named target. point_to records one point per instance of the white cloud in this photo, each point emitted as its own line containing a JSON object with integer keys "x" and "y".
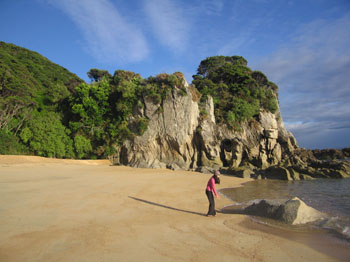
{"x": 312, "y": 71}
{"x": 211, "y": 7}
{"x": 109, "y": 37}
{"x": 169, "y": 23}
{"x": 320, "y": 134}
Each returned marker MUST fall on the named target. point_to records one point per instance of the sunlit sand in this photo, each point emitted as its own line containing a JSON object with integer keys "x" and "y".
{"x": 87, "y": 210}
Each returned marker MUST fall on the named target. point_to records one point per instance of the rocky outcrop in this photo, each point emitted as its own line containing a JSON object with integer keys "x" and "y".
{"x": 331, "y": 154}
{"x": 169, "y": 138}
{"x": 181, "y": 135}
{"x": 293, "y": 211}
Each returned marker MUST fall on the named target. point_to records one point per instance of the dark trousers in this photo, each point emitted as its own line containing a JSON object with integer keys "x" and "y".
{"x": 210, "y": 196}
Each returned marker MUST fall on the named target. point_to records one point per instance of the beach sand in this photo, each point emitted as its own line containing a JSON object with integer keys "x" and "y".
{"x": 88, "y": 210}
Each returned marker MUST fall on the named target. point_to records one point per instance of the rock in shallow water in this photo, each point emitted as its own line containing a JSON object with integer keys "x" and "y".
{"x": 293, "y": 211}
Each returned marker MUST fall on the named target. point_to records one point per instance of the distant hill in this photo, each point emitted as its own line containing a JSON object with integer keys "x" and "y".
{"x": 32, "y": 77}
{"x": 30, "y": 84}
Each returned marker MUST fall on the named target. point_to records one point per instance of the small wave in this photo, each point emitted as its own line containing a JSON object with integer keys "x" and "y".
{"x": 346, "y": 232}
{"x": 338, "y": 225}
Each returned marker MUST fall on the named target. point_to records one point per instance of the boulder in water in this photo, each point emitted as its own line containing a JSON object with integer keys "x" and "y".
{"x": 293, "y": 211}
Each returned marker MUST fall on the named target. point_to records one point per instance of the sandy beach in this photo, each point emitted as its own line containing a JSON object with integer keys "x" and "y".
{"x": 88, "y": 210}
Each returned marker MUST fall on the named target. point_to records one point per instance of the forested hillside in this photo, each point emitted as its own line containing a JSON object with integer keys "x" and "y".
{"x": 46, "y": 110}
{"x": 32, "y": 90}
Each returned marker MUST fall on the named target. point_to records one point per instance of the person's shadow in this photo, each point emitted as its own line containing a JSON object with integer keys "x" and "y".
{"x": 168, "y": 207}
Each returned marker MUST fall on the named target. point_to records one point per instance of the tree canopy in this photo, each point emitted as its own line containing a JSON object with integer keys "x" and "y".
{"x": 97, "y": 75}
{"x": 238, "y": 92}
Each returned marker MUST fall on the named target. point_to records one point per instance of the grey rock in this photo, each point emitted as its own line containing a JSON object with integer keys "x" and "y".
{"x": 277, "y": 172}
{"x": 293, "y": 211}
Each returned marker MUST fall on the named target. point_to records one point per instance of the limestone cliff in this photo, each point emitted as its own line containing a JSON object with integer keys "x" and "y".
{"x": 179, "y": 137}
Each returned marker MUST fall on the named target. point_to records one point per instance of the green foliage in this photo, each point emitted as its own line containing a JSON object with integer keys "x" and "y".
{"x": 26, "y": 134}
{"x": 97, "y": 75}
{"x": 211, "y": 64}
{"x": 10, "y": 144}
{"x": 269, "y": 101}
{"x": 32, "y": 78}
{"x": 124, "y": 131}
{"x": 82, "y": 146}
{"x": 238, "y": 93}
{"x": 45, "y": 135}
{"x": 141, "y": 125}
{"x": 30, "y": 83}
{"x": 57, "y": 94}
{"x": 89, "y": 105}
{"x": 203, "y": 113}
{"x": 244, "y": 110}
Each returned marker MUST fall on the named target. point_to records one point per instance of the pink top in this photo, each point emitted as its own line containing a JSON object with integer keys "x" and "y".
{"x": 211, "y": 186}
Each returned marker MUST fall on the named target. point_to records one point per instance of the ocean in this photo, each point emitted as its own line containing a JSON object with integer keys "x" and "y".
{"x": 331, "y": 196}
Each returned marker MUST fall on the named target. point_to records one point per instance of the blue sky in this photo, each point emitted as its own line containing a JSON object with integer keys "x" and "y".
{"x": 301, "y": 45}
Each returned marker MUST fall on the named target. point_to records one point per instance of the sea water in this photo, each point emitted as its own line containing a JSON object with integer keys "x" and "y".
{"x": 331, "y": 196}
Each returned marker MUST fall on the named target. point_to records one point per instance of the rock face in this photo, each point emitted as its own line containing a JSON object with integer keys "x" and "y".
{"x": 293, "y": 211}
{"x": 179, "y": 136}
{"x": 169, "y": 138}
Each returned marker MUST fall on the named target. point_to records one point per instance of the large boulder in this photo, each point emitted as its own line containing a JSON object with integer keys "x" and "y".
{"x": 293, "y": 211}
{"x": 277, "y": 172}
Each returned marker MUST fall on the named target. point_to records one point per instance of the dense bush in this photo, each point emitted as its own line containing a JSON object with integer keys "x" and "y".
{"x": 33, "y": 89}
{"x": 10, "y": 144}
{"x": 45, "y": 135}
{"x": 238, "y": 92}
{"x": 32, "y": 77}
{"x": 82, "y": 146}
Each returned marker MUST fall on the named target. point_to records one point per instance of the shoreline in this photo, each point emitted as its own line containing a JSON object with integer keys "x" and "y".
{"x": 88, "y": 210}
{"x": 325, "y": 240}
{"x": 317, "y": 239}
{"x": 328, "y": 196}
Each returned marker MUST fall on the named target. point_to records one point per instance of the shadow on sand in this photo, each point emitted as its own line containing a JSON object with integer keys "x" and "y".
{"x": 168, "y": 207}
{"x": 232, "y": 210}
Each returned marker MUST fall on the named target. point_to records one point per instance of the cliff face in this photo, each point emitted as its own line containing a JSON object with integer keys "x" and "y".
{"x": 179, "y": 137}
{"x": 169, "y": 138}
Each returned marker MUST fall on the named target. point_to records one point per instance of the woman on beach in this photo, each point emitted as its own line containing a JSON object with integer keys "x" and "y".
{"x": 215, "y": 179}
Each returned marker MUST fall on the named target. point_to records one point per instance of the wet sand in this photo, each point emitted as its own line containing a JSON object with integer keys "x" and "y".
{"x": 87, "y": 210}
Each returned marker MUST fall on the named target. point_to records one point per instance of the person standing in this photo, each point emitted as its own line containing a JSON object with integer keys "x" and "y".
{"x": 211, "y": 191}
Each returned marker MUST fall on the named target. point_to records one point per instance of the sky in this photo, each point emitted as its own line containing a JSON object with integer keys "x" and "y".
{"x": 301, "y": 45}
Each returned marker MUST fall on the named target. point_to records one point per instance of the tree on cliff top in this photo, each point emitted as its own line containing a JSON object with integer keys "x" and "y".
{"x": 238, "y": 92}
{"x": 97, "y": 74}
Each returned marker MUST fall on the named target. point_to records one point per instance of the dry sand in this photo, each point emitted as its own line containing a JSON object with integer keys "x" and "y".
{"x": 71, "y": 210}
